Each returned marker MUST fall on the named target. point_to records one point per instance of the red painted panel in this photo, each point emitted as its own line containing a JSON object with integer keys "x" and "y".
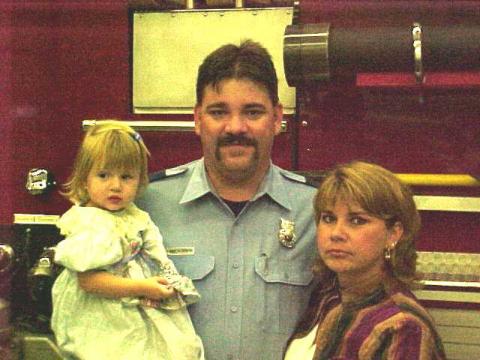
{"x": 411, "y": 131}
{"x": 67, "y": 61}
{"x": 375, "y": 12}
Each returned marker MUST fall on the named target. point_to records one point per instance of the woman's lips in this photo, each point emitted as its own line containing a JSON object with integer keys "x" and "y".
{"x": 337, "y": 253}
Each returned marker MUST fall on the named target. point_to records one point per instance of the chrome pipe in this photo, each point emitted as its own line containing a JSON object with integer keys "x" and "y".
{"x": 306, "y": 53}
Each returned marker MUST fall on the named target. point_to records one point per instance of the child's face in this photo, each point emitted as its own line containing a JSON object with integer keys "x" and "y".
{"x": 111, "y": 189}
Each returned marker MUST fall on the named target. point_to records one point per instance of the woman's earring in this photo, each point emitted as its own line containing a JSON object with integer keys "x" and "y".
{"x": 388, "y": 252}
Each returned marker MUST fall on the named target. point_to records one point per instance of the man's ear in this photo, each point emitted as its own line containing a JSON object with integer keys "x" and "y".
{"x": 395, "y": 233}
{"x": 197, "y": 115}
{"x": 278, "y": 117}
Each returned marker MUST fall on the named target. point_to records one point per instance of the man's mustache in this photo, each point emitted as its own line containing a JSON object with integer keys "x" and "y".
{"x": 230, "y": 139}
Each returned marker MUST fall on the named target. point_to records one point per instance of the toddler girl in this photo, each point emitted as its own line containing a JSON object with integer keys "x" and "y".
{"x": 119, "y": 296}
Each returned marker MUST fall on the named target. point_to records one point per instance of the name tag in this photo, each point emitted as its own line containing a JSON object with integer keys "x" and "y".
{"x": 186, "y": 250}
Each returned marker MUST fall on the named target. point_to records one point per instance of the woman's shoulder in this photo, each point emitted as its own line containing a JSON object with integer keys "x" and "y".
{"x": 392, "y": 308}
{"x": 395, "y": 312}
{"x": 409, "y": 320}
{"x": 407, "y": 304}
{"x": 398, "y": 312}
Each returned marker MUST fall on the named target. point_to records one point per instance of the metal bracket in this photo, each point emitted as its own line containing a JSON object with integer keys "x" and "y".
{"x": 417, "y": 53}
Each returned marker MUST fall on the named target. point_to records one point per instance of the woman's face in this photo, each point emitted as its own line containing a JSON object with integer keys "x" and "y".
{"x": 351, "y": 242}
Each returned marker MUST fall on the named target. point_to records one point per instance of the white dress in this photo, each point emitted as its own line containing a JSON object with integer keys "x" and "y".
{"x": 91, "y": 327}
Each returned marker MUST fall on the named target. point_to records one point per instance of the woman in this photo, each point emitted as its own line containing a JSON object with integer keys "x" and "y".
{"x": 363, "y": 308}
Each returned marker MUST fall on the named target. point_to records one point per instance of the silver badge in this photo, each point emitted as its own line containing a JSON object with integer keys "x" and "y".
{"x": 286, "y": 234}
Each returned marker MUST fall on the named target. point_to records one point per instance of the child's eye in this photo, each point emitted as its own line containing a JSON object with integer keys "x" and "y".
{"x": 327, "y": 218}
{"x": 102, "y": 174}
{"x": 127, "y": 176}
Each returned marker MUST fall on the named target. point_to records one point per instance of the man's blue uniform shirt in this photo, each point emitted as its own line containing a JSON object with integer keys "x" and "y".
{"x": 253, "y": 288}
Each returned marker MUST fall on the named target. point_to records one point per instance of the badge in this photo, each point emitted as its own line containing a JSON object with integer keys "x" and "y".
{"x": 286, "y": 234}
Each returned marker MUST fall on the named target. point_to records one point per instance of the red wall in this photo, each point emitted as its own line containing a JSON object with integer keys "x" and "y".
{"x": 66, "y": 61}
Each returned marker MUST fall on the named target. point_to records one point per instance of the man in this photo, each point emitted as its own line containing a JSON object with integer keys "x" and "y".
{"x": 239, "y": 226}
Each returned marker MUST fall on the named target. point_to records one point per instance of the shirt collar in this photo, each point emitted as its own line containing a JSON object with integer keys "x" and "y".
{"x": 272, "y": 185}
{"x": 198, "y": 185}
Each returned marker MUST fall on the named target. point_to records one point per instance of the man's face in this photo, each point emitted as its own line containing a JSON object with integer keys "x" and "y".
{"x": 237, "y": 123}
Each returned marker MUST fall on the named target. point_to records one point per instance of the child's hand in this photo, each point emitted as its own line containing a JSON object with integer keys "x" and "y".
{"x": 157, "y": 288}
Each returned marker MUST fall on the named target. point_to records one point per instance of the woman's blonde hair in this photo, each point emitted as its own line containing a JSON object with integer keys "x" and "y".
{"x": 110, "y": 144}
{"x": 381, "y": 194}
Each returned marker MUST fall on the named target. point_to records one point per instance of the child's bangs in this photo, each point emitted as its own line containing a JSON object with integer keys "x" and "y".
{"x": 119, "y": 154}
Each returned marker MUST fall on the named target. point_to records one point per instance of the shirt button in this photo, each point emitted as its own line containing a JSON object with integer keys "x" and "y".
{"x": 233, "y": 309}
{"x": 236, "y": 266}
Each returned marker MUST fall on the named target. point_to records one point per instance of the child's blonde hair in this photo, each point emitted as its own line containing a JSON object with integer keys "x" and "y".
{"x": 110, "y": 144}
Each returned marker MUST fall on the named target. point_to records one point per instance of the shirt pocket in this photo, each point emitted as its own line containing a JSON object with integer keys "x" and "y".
{"x": 196, "y": 267}
{"x": 286, "y": 292}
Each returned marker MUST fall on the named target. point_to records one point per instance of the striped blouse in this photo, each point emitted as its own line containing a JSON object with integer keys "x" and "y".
{"x": 384, "y": 324}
